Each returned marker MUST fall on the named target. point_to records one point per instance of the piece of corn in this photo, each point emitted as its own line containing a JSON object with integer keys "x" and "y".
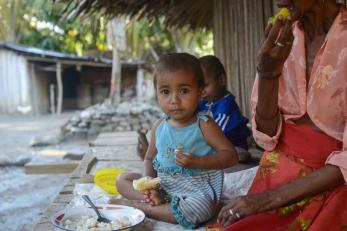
{"x": 284, "y": 12}
{"x": 146, "y": 183}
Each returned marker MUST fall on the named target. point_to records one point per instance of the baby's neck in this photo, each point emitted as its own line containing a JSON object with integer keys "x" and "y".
{"x": 183, "y": 123}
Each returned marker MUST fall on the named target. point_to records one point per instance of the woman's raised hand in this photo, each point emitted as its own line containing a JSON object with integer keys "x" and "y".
{"x": 276, "y": 46}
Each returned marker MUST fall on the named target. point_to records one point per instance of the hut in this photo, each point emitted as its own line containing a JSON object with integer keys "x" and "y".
{"x": 38, "y": 81}
{"x": 237, "y": 27}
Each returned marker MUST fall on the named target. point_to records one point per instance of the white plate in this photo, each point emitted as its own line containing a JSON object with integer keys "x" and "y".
{"x": 111, "y": 212}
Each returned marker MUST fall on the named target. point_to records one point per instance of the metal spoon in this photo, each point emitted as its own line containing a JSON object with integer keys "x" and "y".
{"x": 100, "y": 218}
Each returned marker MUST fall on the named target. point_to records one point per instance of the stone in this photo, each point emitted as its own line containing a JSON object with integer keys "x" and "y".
{"x": 86, "y": 114}
{"x": 135, "y": 111}
{"x": 128, "y": 116}
{"x": 109, "y": 111}
{"x": 50, "y": 139}
{"x": 135, "y": 127}
{"x": 123, "y": 123}
{"x": 97, "y": 122}
{"x": 74, "y": 119}
{"x": 82, "y": 125}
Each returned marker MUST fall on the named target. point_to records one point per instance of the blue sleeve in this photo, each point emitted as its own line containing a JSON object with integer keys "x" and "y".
{"x": 234, "y": 125}
{"x": 231, "y": 116}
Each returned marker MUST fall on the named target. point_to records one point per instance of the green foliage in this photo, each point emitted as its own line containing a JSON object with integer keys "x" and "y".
{"x": 38, "y": 23}
{"x": 147, "y": 40}
{"x": 34, "y": 23}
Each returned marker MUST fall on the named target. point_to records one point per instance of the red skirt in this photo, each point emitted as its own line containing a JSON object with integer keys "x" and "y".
{"x": 300, "y": 151}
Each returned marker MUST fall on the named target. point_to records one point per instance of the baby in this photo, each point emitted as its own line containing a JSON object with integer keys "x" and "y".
{"x": 185, "y": 151}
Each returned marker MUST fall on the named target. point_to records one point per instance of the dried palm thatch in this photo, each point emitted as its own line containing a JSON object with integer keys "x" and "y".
{"x": 175, "y": 13}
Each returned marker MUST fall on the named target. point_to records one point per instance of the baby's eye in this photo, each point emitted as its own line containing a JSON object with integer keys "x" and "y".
{"x": 164, "y": 92}
{"x": 184, "y": 90}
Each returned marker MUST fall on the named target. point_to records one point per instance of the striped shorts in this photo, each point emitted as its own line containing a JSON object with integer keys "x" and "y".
{"x": 194, "y": 199}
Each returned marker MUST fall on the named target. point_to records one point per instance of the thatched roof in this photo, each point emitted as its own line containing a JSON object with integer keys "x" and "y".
{"x": 176, "y": 13}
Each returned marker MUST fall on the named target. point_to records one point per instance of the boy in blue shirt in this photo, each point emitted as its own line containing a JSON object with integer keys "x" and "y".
{"x": 221, "y": 105}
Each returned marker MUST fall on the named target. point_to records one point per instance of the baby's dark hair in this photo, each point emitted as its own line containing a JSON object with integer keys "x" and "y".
{"x": 212, "y": 65}
{"x": 179, "y": 61}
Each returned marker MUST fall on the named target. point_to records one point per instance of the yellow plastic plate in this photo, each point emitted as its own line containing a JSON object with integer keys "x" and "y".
{"x": 106, "y": 179}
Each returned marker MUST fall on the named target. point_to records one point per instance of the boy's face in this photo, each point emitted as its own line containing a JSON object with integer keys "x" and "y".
{"x": 214, "y": 87}
{"x": 178, "y": 94}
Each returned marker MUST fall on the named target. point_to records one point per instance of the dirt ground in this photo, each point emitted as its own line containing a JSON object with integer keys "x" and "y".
{"x": 24, "y": 197}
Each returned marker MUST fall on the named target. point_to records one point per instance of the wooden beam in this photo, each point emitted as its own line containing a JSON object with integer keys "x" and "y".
{"x": 48, "y": 68}
{"x": 67, "y": 62}
{"x": 63, "y": 168}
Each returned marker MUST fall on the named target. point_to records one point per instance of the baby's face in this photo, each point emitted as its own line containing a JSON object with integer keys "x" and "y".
{"x": 178, "y": 95}
{"x": 214, "y": 88}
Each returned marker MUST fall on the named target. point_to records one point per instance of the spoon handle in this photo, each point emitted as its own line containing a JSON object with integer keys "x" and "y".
{"x": 89, "y": 201}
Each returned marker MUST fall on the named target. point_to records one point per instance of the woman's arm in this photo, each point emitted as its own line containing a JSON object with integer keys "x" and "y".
{"x": 318, "y": 181}
{"x": 225, "y": 155}
{"x": 151, "y": 152}
{"x": 274, "y": 51}
{"x": 267, "y": 111}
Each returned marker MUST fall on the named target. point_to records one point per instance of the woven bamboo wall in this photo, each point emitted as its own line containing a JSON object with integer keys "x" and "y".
{"x": 238, "y": 29}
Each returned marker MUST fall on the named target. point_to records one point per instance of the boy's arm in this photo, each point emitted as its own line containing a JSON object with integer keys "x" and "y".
{"x": 151, "y": 152}
{"x": 225, "y": 155}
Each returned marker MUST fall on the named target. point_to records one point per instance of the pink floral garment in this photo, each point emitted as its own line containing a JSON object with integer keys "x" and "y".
{"x": 325, "y": 99}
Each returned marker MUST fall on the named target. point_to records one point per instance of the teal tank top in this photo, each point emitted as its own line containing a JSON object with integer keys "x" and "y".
{"x": 187, "y": 139}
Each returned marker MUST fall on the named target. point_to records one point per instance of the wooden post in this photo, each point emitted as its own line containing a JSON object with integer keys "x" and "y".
{"x": 52, "y": 97}
{"x": 115, "y": 77}
{"x": 117, "y": 38}
{"x": 60, "y": 88}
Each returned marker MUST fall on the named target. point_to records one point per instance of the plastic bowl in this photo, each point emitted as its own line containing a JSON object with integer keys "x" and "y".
{"x": 106, "y": 179}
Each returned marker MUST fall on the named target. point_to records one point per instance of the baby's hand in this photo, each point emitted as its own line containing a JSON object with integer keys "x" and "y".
{"x": 187, "y": 160}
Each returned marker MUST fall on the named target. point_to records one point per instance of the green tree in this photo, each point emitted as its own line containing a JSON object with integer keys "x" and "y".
{"x": 41, "y": 23}
{"x": 149, "y": 40}
{"x": 36, "y": 23}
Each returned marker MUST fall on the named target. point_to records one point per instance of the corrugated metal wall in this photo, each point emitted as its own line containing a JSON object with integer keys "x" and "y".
{"x": 14, "y": 82}
{"x": 238, "y": 29}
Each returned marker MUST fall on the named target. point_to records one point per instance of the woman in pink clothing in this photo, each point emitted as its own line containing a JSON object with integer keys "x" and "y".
{"x": 299, "y": 104}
